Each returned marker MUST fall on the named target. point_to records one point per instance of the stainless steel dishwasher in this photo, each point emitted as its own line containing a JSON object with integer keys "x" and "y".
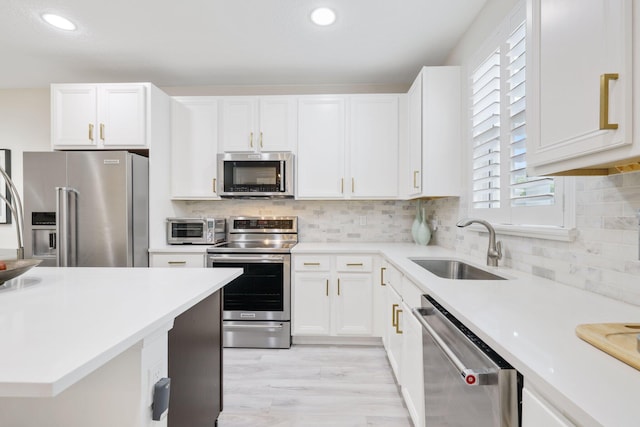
{"x": 466, "y": 383}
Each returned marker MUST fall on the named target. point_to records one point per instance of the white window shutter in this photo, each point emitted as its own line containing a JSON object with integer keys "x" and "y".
{"x": 486, "y": 132}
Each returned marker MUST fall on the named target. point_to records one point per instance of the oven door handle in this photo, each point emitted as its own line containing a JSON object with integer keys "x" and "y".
{"x": 470, "y": 376}
{"x": 260, "y": 258}
{"x": 279, "y": 326}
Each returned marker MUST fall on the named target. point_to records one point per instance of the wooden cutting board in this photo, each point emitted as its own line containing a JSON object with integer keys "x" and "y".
{"x": 620, "y": 340}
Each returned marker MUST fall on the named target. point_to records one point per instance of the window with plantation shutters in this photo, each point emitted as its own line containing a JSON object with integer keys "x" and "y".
{"x": 524, "y": 190}
{"x": 501, "y": 190}
{"x": 486, "y": 133}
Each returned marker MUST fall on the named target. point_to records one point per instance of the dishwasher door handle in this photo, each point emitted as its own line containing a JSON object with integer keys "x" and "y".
{"x": 470, "y": 376}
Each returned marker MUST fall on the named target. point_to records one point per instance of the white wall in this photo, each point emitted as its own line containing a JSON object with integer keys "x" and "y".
{"x": 24, "y": 126}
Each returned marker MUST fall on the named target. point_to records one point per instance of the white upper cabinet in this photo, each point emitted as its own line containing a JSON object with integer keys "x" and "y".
{"x": 373, "y": 141}
{"x": 101, "y": 116}
{"x": 432, "y": 157}
{"x": 348, "y": 147}
{"x": 194, "y": 147}
{"x": 321, "y": 147}
{"x": 412, "y": 178}
{"x": 579, "y": 87}
{"x": 254, "y": 124}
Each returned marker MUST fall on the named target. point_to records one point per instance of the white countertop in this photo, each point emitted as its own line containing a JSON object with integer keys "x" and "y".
{"x": 57, "y": 325}
{"x": 531, "y": 322}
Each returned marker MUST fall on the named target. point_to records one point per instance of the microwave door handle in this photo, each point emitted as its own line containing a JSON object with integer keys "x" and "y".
{"x": 282, "y": 177}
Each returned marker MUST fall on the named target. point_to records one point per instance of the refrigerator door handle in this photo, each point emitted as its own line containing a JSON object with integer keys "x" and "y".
{"x": 67, "y": 227}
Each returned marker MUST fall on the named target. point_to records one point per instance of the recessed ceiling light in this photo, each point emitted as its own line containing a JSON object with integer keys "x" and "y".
{"x": 323, "y": 16}
{"x": 59, "y": 21}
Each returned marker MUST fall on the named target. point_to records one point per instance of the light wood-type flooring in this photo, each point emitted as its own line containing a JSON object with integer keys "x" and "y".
{"x": 311, "y": 386}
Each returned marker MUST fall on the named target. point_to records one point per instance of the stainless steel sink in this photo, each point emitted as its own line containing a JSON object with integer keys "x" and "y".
{"x": 454, "y": 269}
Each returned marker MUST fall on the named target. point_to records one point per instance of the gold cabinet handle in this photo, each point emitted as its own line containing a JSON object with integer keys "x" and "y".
{"x": 398, "y": 331}
{"x": 327, "y": 287}
{"x": 604, "y": 101}
{"x": 338, "y": 287}
{"x": 214, "y": 181}
{"x": 102, "y": 131}
{"x": 355, "y": 264}
{"x": 415, "y": 179}
{"x": 353, "y": 185}
{"x": 90, "y": 132}
{"x": 177, "y": 262}
{"x": 311, "y": 263}
{"x": 251, "y": 140}
{"x": 382, "y": 270}
{"x": 342, "y": 185}
{"x": 261, "y": 140}
{"x": 393, "y": 315}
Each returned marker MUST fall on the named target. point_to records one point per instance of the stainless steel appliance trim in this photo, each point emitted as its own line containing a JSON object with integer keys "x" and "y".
{"x": 292, "y": 230}
{"x": 248, "y": 325}
{"x": 252, "y": 334}
{"x": 286, "y": 158}
{"x": 67, "y": 226}
{"x": 497, "y": 404}
{"x": 470, "y": 376}
{"x": 285, "y": 313}
{"x": 247, "y": 258}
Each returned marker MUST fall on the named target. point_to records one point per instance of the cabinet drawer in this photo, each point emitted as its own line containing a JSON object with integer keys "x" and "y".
{"x": 177, "y": 260}
{"x": 312, "y": 263}
{"x": 354, "y": 263}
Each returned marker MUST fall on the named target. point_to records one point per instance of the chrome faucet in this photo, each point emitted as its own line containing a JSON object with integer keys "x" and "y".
{"x": 494, "y": 253}
{"x": 16, "y": 209}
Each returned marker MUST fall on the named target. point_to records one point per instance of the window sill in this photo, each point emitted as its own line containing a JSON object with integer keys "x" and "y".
{"x": 537, "y": 232}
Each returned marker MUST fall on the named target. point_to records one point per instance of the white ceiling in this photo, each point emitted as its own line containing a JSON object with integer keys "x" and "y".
{"x": 227, "y": 42}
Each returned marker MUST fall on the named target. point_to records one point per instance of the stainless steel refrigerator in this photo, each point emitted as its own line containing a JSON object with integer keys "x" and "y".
{"x": 86, "y": 208}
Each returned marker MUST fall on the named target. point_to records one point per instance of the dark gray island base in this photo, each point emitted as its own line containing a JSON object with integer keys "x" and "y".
{"x": 195, "y": 365}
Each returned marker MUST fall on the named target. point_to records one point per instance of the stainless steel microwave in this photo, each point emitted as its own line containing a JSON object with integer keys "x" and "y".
{"x": 195, "y": 231}
{"x": 255, "y": 175}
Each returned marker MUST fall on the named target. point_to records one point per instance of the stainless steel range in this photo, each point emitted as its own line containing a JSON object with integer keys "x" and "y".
{"x": 257, "y": 305}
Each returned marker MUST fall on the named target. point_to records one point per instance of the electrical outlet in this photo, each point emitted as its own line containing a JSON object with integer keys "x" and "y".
{"x": 363, "y": 220}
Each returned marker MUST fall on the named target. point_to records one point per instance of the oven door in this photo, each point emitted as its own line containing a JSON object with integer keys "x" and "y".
{"x": 263, "y": 292}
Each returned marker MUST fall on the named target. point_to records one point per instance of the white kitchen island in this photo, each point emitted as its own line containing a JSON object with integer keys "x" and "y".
{"x": 84, "y": 346}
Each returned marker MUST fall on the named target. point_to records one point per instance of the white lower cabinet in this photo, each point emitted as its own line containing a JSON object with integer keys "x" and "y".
{"x": 402, "y": 338}
{"x": 395, "y": 316}
{"x": 536, "y": 412}
{"x": 412, "y": 372}
{"x": 332, "y": 296}
{"x": 177, "y": 260}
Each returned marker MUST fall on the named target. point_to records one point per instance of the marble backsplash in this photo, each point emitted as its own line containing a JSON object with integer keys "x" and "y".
{"x": 322, "y": 221}
{"x": 604, "y": 257}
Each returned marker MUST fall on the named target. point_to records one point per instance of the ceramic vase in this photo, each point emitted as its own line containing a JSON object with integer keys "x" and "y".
{"x": 424, "y": 233}
{"x": 416, "y": 222}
